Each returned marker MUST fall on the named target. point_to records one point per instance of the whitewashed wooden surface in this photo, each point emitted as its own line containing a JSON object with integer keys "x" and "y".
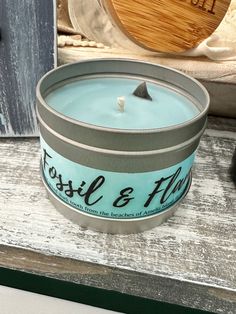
{"x": 189, "y": 260}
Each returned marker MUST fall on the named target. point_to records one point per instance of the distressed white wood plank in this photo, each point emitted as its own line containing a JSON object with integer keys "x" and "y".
{"x": 197, "y": 245}
{"x": 27, "y": 216}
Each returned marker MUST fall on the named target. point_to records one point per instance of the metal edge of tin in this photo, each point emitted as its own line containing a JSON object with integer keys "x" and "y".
{"x": 124, "y": 139}
{"x": 109, "y": 225}
{"x": 118, "y": 161}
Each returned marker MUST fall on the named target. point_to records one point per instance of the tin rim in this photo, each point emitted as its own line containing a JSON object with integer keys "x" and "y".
{"x": 119, "y": 130}
{"x": 110, "y": 225}
{"x": 120, "y": 152}
{"x": 84, "y": 132}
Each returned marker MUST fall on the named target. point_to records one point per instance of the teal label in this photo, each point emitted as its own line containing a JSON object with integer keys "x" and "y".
{"x": 113, "y": 194}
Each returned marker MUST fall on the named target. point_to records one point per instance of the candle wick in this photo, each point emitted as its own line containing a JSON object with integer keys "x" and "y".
{"x": 121, "y": 103}
{"x": 142, "y": 91}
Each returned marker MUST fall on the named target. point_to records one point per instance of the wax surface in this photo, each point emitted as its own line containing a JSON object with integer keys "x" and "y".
{"x": 94, "y": 101}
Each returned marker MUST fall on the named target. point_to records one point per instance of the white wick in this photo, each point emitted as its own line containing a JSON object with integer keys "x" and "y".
{"x": 121, "y": 103}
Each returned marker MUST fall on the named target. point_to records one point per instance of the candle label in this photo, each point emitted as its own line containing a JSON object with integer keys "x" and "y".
{"x": 113, "y": 194}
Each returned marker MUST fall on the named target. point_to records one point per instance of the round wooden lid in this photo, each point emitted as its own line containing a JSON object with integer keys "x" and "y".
{"x": 167, "y": 25}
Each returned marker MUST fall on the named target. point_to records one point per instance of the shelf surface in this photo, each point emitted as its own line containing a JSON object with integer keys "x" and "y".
{"x": 188, "y": 261}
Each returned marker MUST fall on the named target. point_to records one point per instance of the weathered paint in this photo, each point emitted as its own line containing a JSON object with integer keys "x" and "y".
{"x": 189, "y": 260}
{"x": 27, "y": 51}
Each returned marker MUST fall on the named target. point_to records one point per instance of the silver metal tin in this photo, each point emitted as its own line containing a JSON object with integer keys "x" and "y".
{"x": 126, "y": 140}
{"x": 117, "y": 151}
{"x": 118, "y": 161}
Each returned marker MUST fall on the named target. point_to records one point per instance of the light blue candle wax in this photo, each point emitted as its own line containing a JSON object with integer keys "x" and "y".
{"x": 94, "y": 101}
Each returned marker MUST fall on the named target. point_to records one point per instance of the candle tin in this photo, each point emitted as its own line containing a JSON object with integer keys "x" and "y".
{"x": 118, "y": 180}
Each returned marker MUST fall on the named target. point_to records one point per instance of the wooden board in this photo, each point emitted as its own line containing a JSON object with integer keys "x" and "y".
{"x": 170, "y": 25}
{"x": 189, "y": 260}
{"x": 27, "y": 51}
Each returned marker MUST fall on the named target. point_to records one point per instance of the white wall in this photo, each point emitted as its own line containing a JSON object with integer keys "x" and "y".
{"x": 13, "y": 301}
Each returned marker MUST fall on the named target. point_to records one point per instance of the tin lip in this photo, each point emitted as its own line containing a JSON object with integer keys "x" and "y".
{"x": 201, "y": 114}
{"x": 116, "y": 220}
{"x": 120, "y": 152}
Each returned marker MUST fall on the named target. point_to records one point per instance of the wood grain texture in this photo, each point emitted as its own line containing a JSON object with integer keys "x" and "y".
{"x": 27, "y": 51}
{"x": 158, "y": 288}
{"x": 170, "y": 25}
{"x": 189, "y": 260}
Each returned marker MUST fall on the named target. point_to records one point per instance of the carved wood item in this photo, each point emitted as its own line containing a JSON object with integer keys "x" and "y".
{"x": 170, "y": 25}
